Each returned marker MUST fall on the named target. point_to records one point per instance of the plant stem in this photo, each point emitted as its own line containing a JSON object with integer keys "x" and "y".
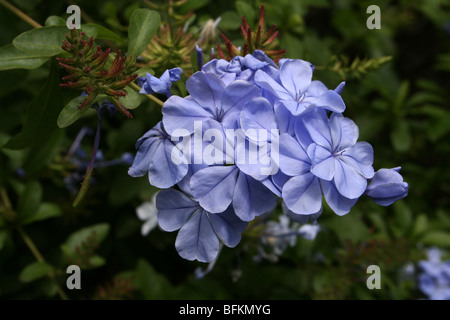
{"x": 9, "y": 213}
{"x": 151, "y": 97}
{"x": 34, "y": 250}
{"x": 20, "y": 14}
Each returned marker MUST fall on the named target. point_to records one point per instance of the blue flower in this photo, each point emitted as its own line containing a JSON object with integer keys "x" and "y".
{"x": 295, "y": 89}
{"x": 241, "y": 68}
{"x": 434, "y": 280}
{"x": 325, "y": 158}
{"x": 151, "y": 84}
{"x": 201, "y": 232}
{"x": 218, "y": 187}
{"x": 387, "y": 186}
{"x": 154, "y": 156}
{"x": 210, "y": 99}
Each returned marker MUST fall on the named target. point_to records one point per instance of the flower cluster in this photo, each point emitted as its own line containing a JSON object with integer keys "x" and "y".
{"x": 252, "y": 131}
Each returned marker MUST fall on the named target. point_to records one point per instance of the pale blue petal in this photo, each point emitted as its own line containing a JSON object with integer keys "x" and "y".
{"x": 344, "y": 132}
{"x": 295, "y": 75}
{"x": 197, "y": 239}
{"x": 302, "y": 194}
{"x": 236, "y": 96}
{"x": 213, "y": 187}
{"x": 285, "y": 120}
{"x": 144, "y": 155}
{"x": 174, "y": 209}
{"x": 360, "y": 156}
{"x": 207, "y": 89}
{"x": 228, "y": 227}
{"x": 251, "y": 198}
{"x": 180, "y": 113}
{"x": 295, "y": 107}
{"x": 316, "y": 123}
{"x": 316, "y": 89}
{"x": 348, "y": 181}
{"x": 329, "y": 100}
{"x": 163, "y": 172}
{"x": 256, "y": 116}
{"x": 338, "y": 203}
{"x": 322, "y": 161}
{"x": 266, "y": 82}
{"x": 293, "y": 159}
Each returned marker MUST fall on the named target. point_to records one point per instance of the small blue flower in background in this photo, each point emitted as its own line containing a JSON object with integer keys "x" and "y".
{"x": 279, "y": 235}
{"x": 387, "y": 186}
{"x": 151, "y": 84}
{"x": 434, "y": 281}
{"x": 200, "y": 232}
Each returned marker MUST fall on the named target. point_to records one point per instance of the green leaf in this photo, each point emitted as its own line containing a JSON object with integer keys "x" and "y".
{"x": 35, "y": 271}
{"x": 132, "y": 100}
{"x": 246, "y": 10}
{"x": 400, "y": 136}
{"x": 230, "y": 21}
{"x": 12, "y": 58}
{"x": 55, "y": 21}
{"x": 420, "y": 225}
{"x": 95, "y": 262}
{"x": 42, "y": 113}
{"x": 403, "y": 215}
{"x": 44, "y": 42}
{"x": 143, "y": 26}
{"x": 41, "y": 155}
{"x": 348, "y": 227}
{"x": 46, "y": 210}
{"x": 436, "y": 238}
{"x": 29, "y": 201}
{"x": 152, "y": 284}
{"x": 70, "y": 113}
{"x": 100, "y": 32}
{"x": 95, "y": 234}
{"x": 142, "y": 72}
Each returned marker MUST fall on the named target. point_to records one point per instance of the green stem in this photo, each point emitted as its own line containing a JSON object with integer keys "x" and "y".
{"x": 151, "y": 97}
{"x": 9, "y": 213}
{"x": 20, "y": 14}
{"x": 34, "y": 250}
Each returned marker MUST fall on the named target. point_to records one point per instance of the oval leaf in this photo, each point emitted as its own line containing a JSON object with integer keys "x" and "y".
{"x": 43, "y": 42}
{"x": 35, "y": 271}
{"x": 12, "y": 58}
{"x": 132, "y": 100}
{"x": 143, "y": 26}
{"x": 70, "y": 113}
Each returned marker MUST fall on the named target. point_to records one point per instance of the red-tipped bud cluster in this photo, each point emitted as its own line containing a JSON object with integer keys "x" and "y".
{"x": 253, "y": 40}
{"x": 89, "y": 69}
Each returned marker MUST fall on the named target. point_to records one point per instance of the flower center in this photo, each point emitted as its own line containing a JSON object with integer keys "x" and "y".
{"x": 300, "y": 96}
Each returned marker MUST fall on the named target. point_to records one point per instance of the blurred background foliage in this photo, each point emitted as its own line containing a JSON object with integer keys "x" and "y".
{"x": 397, "y": 92}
